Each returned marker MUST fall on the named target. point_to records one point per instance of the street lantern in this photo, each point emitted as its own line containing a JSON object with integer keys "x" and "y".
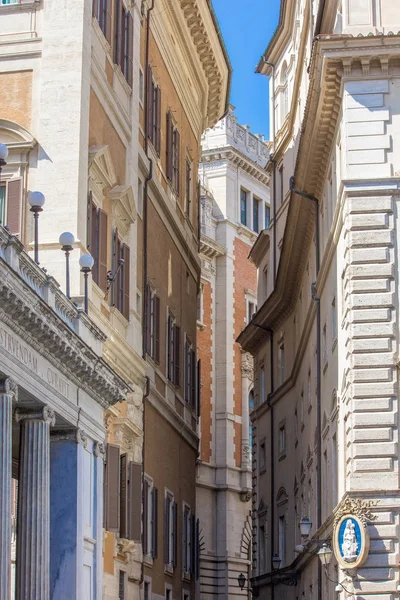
{"x": 242, "y": 581}
{"x": 276, "y": 561}
{"x": 36, "y": 201}
{"x": 305, "y": 526}
{"x": 86, "y": 263}
{"x": 325, "y": 555}
{"x": 66, "y": 240}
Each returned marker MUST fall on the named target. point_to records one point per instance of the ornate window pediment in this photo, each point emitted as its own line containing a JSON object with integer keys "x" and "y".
{"x": 15, "y": 136}
{"x": 123, "y": 207}
{"x": 101, "y": 169}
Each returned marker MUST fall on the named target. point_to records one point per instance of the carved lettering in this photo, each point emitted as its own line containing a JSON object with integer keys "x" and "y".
{"x": 21, "y": 352}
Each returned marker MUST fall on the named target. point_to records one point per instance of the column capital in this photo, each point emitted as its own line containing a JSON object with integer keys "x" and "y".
{"x": 45, "y": 414}
{"x": 99, "y": 449}
{"x": 9, "y": 386}
{"x": 76, "y": 435}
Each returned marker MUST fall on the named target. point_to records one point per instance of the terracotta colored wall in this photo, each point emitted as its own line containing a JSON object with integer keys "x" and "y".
{"x": 16, "y": 97}
{"x": 204, "y": 346}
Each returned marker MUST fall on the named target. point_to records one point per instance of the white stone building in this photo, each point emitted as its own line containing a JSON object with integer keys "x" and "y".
{"x": 235, "y": 207}
{"x": 325, "y": 337}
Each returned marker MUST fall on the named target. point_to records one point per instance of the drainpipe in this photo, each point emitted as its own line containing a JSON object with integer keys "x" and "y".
{"x": 272, "y": 159}
{"x": 145, "y": 237}
{"x": 318, "y": 307}
{"x": 272, "y": 453}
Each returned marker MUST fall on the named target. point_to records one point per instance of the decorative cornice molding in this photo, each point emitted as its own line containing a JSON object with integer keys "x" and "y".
{"x": 210, "y": 248}
{"x": 238, "y": 159}
{"x": 359, "y": 508}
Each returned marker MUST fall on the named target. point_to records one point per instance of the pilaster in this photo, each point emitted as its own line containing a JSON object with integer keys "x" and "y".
{"x": 33, "y": 540}
{"x": 8, "y": 391}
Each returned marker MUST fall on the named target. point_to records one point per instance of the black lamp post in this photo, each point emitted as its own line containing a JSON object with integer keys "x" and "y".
{"x": 66, "y": 240}
{"x": 242, "y": 581}
{"x": 86, "y": 263}
{"x": 36, "y": 201}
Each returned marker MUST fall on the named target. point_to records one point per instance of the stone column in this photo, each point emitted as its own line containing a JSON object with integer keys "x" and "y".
{"x": 8, "y": 390}
{"x": 33, "y": 538}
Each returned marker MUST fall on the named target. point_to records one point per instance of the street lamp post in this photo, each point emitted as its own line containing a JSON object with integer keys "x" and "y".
{"x": 66, "y": 240}
{"x": 86, "y": 263}
{"x": 36, "y": 201}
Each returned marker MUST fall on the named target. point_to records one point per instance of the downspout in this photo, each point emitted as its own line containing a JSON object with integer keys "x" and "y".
{"x": 318, "y": 307}
{"x": 272, "y": 454}
{"x": 145, "y": 237}
{"x": 273, "y": 161}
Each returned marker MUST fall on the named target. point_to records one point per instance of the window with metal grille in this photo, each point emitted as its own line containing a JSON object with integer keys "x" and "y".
{"x": 121, "y": 587}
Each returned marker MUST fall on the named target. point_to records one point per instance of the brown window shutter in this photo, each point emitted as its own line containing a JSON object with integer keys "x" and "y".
{"x": 148, "y": 318}
{"x": 193, "y": 380}
{"x": 129, "y": 75}
{"x": 185, "y": 539}
{"x": 126, "y": 280}
{"x": 197, "y": 549}
{"x": 169, "y": 145}
{"x": 117, "y": 30}
{"x": 158, "y": 122}
{"x": 175, "y": 535}
{"x": 102, "y": 249}
{"x": 169, "y": 349}
{"x": 186, "y": 370}
{"x": 108, "y": 20}
{"x": 134, "y": 501}
{"x": 167, "y": 525}
{"x": 95, "y": 8}
{"x": 149, "y": 100}
{"x": 177, "y": 354}
{"x": 116, "y": 251}
{"x": 198, "y": 406}
{"x": 89, "y": 224}
{"x": 193, "y": 541}
{"x": 111, "y": 485}
{"x": 157, "y": 329}
{"x": 123, "y": 498}
{"x": 14, "y": 206}
{"x": 146, "y": 518}
{"x": 178, "y": 163}
{"x": 154, "y": 521}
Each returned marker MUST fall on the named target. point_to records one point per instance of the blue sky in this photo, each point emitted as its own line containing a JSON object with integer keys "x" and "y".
{"x": 247, "y": 27}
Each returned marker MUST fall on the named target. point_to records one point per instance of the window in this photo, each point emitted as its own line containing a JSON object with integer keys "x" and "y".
{"x": 280, "y": 185}
{"x": 261, "y": 541}
{"x": 265, "y": 281}
{"x": 190, "y": 373}
{"x": 173, "y": 153}
{"x": 262, "y": 383}
{"x": 153, "y": 111}
{"x": 267, "y": 216}
{"x": 102, "y": 12}
{"x": 282, "y": 540}
{"x": 281, "y": 362}
{"x": 168, "y": 594}
{"x": 187, "y": 540}
{"x": 122, "y": 494}
{"x": 200, "y": 303}
{"x": 141, "y": 87}
{"x": 152, "y": 325}
{"x": 251, "y": 309}
{"x": 334, "y": 320}
{"x": 282, "y": 440}
{"x": 150, "y": 510}
{"x": 10, "y": 1}
{"x": 188, "y": 185}
{"x": 121, "y": 275}
{"x": 97, "y": 242}
{"x": 262, "y": 457}
{"x": 170, "y": 530}
{"x": 256, "y": 210}
{"x": 243, "y": 206}
{"x": 121, "y": 586}
{"x": 123, "y": 40}
{"x": 174, "y": 350}
{"x": 146, "y": 595}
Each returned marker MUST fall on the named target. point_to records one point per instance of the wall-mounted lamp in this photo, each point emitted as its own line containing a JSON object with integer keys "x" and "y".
{"x": 66, "y": 240}
{"x": 284, "y": 578}
{"x": 276, "y": 562}
{"x": 36, "y": 201}
{"x": 242, "y": 581}
{"x": 86, "y": 263}
{"x": 305, "y": 526}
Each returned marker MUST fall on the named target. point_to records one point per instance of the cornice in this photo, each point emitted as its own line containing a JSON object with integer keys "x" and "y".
{"x": 238, "y": 159}
{"x": 209, "y": 248}
{"x": 260, "y": 247}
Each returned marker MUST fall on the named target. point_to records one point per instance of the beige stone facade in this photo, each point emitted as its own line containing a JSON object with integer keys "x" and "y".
{"x": 325, "y": 338}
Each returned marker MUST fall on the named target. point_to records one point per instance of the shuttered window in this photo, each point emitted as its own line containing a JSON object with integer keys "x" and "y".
{"x": 134, "y": 501}
{"x": 97, "y": 244}
{"x": 121, "y": 270}
{"x": 152, "y": 325}
{"x": 170, "y": 531}
{"x": 188, "y": 186}
{"x": 123, "y": 498}
{"x": 154, "y": 522}
{"x": 146, "y": 506}
{"x": 102, "y": 12}
{"x": 190, "y": 374}
{"x": 11, "y": 205}
{"x": 174, "y": 350}
{"x": 153, "y": 111}
{"x": 198, "y": 394}
{"x": 111, "y": 488}
{"x": 173, "y": 154}
{"x": 123, "y": 40}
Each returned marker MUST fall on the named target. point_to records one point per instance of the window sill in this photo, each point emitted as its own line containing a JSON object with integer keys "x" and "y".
{"x": 148, "y": 560}
{"x": 168, "y": 569}
{"x": 186, "y": 576}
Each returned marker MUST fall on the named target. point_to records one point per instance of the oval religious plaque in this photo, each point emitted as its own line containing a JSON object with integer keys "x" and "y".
{"x": 351, "y": 542}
